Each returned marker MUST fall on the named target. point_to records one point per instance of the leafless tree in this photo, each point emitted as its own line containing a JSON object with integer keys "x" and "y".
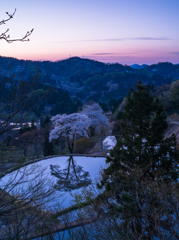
{"x": 30, "y": 142}
{"x": 17, "y": 100}
{"x": 24, "y": 199}
{"x": 5, "y": 35}
{"x": 23, "y": 202}
{"x": 155, "y": 205}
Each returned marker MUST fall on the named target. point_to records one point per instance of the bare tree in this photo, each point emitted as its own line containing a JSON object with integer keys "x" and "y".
{"x": 16, "y": 100}
{"x": 24, "y": 211}
{"x": 5, "y": 35}
{"x": 158, "y": 204}
{"x": 30, "y": 140}
{"x": 24, "y": 196}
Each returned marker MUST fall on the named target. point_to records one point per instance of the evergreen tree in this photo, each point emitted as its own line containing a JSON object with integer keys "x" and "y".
{"x": 42, "y": 121}
{"x": 47, "y": 120}
{"x": 141, "y": 155}
{"x": 33, "y": 124}
{"x": 48, "y": 146}
{"x": 104, "y": 106}
{"x": 24, "y": 128}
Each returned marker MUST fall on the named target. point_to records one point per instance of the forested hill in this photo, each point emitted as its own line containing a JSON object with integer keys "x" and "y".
{"x": 88, "y": 79}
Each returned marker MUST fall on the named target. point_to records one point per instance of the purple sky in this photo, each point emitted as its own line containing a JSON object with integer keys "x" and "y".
{"x": 124, "y": 31}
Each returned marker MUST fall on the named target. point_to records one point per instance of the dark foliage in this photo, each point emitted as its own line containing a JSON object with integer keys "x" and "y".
{"x": 141, "y": 155}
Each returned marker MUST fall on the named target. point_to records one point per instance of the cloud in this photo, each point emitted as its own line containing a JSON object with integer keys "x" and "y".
{"x": 108, "y": 54}
{"x": 99, "y": 54}
{"x": 121, "y": 39}
{"x": 150, "y": 38}
{"x": 127, "y": 39}
{"x": 176, "y": 53}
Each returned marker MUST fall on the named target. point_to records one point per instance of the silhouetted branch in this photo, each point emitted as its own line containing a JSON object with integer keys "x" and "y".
{"x": 5, "y": 36}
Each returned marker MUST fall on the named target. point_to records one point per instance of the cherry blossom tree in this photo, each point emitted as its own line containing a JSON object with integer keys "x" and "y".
{"x": 71, "y": 127}
{"x": 96, "y": 116}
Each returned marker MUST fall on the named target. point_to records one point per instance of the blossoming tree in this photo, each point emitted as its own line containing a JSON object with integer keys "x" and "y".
{"x": 96, "y": 116}
{"x": 71, "y": 127}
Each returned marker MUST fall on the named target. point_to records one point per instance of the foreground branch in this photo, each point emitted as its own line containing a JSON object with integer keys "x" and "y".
{"x": 60, "y": 227}
{"x": 5, "y": 36}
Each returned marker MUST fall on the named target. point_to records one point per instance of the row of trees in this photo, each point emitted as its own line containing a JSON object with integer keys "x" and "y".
{"x": 169, "y": 96}
{"x": 56, "y": 136}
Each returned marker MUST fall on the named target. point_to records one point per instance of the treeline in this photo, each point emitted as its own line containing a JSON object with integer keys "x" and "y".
{"x": 90, "y": 80}
{"x": 114, "y": 84}
{"x": 54, "y": 100}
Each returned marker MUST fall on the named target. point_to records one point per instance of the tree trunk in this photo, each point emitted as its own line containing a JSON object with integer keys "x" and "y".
{"x": 92, "y": 130}
{"x": 70, "y": 146}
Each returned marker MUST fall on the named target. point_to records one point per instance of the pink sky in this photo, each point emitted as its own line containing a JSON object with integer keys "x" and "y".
{"x": 127, "y": 31}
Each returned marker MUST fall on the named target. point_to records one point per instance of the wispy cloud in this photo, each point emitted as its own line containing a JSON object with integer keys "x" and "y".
{"x": 100, "y": 54}
{"x": 176, "y": 53}
{"x": 109, "y": 54}
{"x": 127, "y": 39}
{"x": 150, "y": 38}
{"x": 120, "y": 39}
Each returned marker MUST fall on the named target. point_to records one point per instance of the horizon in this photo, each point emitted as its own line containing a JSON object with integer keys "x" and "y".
{"x": 42, "y": 60}
{"x": 125, "y": 32}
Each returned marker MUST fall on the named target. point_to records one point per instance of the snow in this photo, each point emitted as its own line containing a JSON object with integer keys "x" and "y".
{"x": 109, "y": 142}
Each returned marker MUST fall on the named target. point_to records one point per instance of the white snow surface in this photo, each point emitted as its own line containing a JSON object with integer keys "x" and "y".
{"x": 109, "y": 142}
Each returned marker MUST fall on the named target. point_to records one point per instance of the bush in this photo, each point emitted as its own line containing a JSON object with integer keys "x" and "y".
{"x": 8, "y": 154}
{"x": 174, "y": 117}
{"x": 21, "y": 159}
{"x": 56, "y": 150}
{"x": 83, "y": 145}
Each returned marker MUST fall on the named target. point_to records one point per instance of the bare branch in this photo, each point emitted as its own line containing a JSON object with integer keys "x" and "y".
{"x": 5, "y": 36}
{"x": 10, "y": 16}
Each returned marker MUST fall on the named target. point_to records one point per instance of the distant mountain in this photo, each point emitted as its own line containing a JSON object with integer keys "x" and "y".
{"x": 88, "y": 79}
{"x": 137, "y": 66}
{"x": 165, "y": 69}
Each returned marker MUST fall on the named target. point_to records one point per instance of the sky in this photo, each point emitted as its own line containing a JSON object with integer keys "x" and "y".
{"x": 111, "y": 31}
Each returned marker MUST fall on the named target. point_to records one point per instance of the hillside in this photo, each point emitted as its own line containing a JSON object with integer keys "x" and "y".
{"x": 88, "y": 79}
{"x": 173, "y": 128}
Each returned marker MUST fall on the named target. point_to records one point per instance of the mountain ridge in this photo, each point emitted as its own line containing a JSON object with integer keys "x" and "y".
{"x": 89, "y": 79}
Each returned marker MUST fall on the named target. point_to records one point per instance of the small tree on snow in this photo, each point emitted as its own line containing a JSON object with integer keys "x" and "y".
{"x": 96, "y": 116}
{"x": 71, "y": 127}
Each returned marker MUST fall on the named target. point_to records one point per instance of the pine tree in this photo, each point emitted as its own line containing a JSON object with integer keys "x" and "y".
{"x": 47, "y": 120}
{"x": 42, "y": 121}
{"x": 48, "y": 146}
{"x": 33, "y": 124}
{"x": 141, "y": 155}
